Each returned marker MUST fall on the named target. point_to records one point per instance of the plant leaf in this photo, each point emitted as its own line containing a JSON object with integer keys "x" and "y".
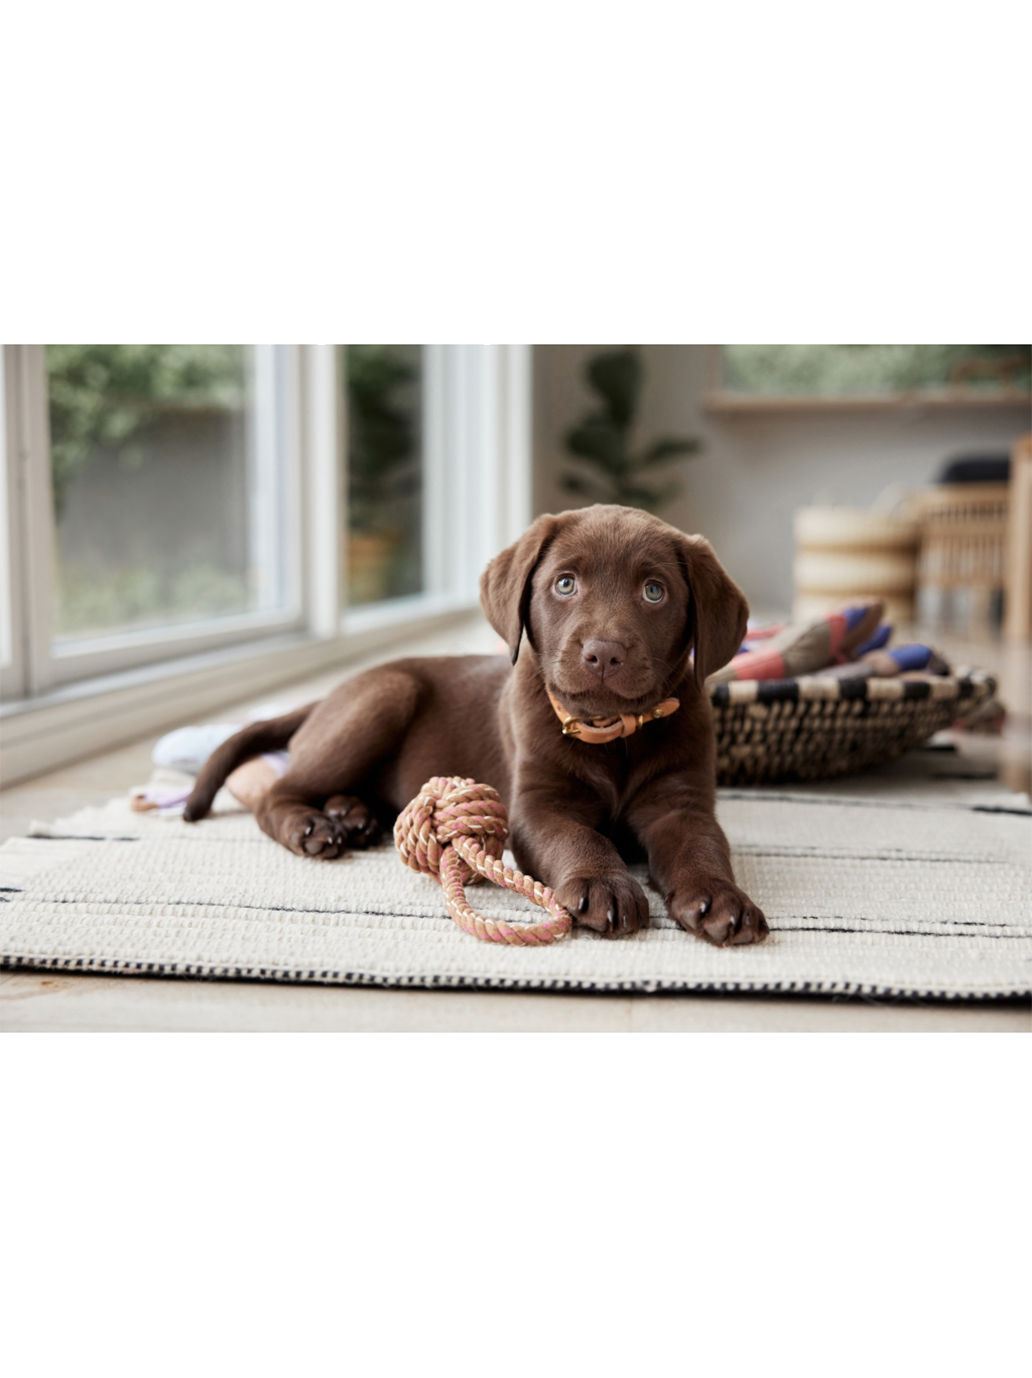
{"x": 597, "y": 439}
{"x": 636, "y": 495}
{"x": 616, "y": 375}
{"x": 669, "y": 447}
{"x": 573, "y": 483}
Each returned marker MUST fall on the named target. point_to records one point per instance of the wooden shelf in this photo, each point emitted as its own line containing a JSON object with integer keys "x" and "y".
{"x": 724, "y": 403}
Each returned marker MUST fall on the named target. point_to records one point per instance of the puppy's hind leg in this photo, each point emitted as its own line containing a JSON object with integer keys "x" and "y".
{"x": 317, "y": 808}
{"x": 251, "y": 741}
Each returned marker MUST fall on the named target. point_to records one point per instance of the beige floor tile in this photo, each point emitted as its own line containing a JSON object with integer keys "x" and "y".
{"x": 786, "y": 1014}
{"x": 36, "y": 1002}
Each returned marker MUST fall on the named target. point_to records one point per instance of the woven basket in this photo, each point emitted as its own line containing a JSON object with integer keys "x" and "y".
{"x": 815, "y": 728}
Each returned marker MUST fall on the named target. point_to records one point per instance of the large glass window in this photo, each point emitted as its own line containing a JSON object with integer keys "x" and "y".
{"x": 6, "y": 609}
{"x": 168, "y": 500}
{"x": 168, "y": 486}
{"x": 385, "y": 471}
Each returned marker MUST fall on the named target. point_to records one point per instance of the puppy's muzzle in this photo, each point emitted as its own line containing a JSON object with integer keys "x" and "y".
{"x": 603, "y": 658}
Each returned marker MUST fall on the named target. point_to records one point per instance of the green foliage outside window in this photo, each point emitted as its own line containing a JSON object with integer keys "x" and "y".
{"x": 874, "y": 370}
{"x": 119, "y": 567}
{"x": 100, "y": 599}
{"x": 109, "y": 396}
{"x": 384, "y": 471}
{"x": 383, "y": 456}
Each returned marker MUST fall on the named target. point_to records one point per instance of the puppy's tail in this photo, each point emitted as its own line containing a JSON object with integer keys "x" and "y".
{"x": 271, "y": 735}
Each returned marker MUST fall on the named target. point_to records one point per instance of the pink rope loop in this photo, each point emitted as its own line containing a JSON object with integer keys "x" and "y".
{"x": 455, "y": 830}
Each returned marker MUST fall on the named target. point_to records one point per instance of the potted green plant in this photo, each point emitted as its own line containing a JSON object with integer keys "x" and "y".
{"x": 608, "y": 468}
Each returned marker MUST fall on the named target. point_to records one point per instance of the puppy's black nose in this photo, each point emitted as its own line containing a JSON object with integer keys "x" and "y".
{"x": 603, "y": 657}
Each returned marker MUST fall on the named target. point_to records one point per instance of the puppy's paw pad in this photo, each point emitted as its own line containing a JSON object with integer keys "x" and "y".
{"x": 718, "y": 912}
{"x": 613, "y": 905}
{"x": 315, "y": 835}
{"x": 357, "y": 822}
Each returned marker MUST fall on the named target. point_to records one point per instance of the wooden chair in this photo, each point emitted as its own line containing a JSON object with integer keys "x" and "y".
{"x": 1017, "y": 606}
{"x": 962, "y": 558}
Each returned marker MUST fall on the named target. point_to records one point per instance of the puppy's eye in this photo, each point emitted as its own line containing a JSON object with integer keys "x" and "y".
{"x": 653, "y": 593}
{"x": 566, "y": 584}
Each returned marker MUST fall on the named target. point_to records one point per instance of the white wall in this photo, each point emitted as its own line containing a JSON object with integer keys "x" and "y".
{"x": 754, "y": 471}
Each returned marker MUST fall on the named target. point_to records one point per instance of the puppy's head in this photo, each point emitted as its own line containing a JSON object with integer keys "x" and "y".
{"x": 612, "y": 600}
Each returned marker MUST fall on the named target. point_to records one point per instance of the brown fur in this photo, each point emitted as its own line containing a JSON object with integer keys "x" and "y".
{"x": 578, "y": 812}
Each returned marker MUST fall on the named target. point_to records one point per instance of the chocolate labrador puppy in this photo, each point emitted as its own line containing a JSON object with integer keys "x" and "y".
{"x": 598, "y": 737}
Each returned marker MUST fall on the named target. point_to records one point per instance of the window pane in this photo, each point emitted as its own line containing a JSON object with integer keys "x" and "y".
{"x": 385, "y": 471}
{"x": 6, "y": 631}
{"x": 167, "y": 485}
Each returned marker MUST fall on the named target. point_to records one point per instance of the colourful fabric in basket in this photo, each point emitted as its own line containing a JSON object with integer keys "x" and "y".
{"x": 849, "y": 644}
{"x": 877, "y": 641}
{"x": 884, "y": 664}
{"x": 805, "y": 647}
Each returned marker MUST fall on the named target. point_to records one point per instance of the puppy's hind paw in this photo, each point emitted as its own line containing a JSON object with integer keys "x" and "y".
{"x": 315, "y": 835}
{"x": 358, "y": 824}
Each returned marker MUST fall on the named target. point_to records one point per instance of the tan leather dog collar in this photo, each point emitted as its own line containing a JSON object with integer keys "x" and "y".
{"x": 596, "y": 730}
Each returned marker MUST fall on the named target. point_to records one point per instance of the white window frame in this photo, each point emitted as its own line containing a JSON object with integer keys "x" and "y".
{"x": 13, "y": 681}
{"x": 476, "y": 499}
{"x": 52, "y": 661}
{"x": 476, "y": 476}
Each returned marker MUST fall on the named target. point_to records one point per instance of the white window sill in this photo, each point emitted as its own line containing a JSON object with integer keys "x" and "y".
{"x": 143, "y": 641}
{"x": 399, "y": 611}
{"x": 95, "y": 715}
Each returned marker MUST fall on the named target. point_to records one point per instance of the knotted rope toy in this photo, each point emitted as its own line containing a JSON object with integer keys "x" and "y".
{"x": 455, "y": 830}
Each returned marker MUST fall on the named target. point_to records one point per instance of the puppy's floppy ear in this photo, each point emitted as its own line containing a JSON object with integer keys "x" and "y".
{"x": 718, "y": 613}
{"x": 505, "y": 585}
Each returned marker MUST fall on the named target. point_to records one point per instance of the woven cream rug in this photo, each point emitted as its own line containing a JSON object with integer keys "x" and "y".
{"x": 865, "y": 892}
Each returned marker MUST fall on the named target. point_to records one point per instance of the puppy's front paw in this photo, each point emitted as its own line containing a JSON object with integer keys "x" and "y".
{"x": 717, "y": 911}
{"x": 613, "y": 904}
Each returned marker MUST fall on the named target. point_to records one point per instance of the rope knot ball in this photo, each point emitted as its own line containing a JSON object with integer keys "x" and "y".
{"x": 444, "y": 809}
{"x": 455, "y": 830}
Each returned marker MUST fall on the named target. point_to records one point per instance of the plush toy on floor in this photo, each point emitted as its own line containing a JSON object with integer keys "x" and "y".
{"x": 185, "y": 751}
